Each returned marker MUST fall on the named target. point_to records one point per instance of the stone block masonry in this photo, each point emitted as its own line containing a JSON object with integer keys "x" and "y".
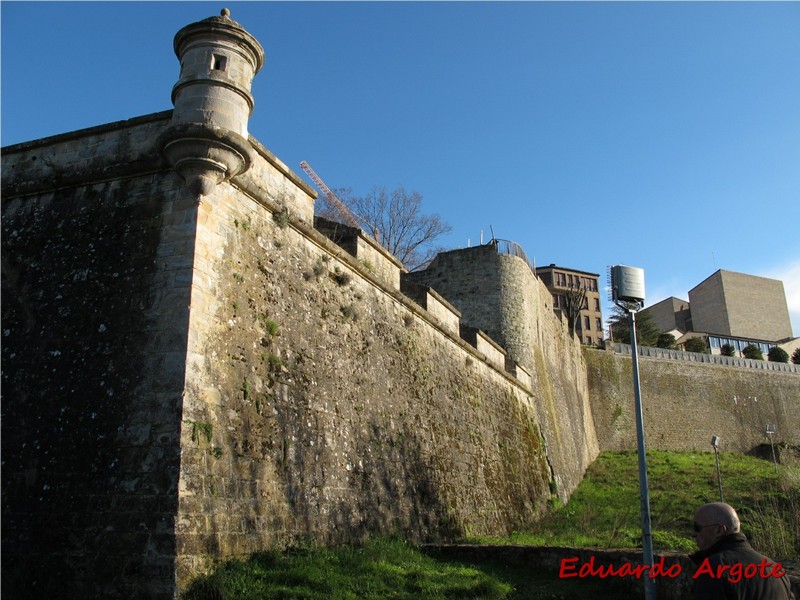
{"x": 499, "y": 295}
{"x": 191, "y": 379}
{"x": 685, "y": 404}
{"x": 322, "y": 403}
{"x": 95, "y": 312}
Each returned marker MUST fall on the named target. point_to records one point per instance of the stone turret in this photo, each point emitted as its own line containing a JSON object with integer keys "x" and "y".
{"x": 207, "y": 140}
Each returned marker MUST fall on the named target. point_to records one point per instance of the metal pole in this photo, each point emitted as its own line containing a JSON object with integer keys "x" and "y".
{"x": 774, "y": 460}
{"x": 719, "y": 476}
{"x": 644, "y": 493}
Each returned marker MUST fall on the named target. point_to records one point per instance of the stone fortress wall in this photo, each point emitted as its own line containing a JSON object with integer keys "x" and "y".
{"x": 97, "y": 260}
{"x": 191, "y": 380}
{"x": 193, "y": 371}
{"x": 685, "y": 404}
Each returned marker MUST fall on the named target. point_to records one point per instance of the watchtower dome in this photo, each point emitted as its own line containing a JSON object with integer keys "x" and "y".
{"x": 207, "y": 141}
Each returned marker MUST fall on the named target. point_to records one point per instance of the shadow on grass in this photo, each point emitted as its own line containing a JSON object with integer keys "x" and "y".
{"x": 388, "y": 569}
{"x": 533, "y": 583}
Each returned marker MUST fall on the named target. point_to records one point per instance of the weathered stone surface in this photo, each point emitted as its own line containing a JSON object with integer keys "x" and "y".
{"x": 685, "y": 404}
{"x": 499, "y": 294}
{"x": 341, "y": 412}
{"x": 187, "y": 381}
{"x": 94, "y": 314}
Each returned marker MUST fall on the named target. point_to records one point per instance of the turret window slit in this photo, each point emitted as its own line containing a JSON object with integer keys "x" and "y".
{"x": 218, "y": 62}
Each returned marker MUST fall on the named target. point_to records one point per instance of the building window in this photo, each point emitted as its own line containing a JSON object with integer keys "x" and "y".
{"x": 587, "y": 324}
{"x": 597, "y": 304}
{"x": 598, "y": 325}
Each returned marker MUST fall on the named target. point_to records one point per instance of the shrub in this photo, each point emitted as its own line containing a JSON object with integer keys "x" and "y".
{"x": 666, "y": 340}
{"x": 696, "y": 344}
{"x": 281, "y": 218}
{"x": 777, "y": 354}
{"x": 752, "y": 351}
{"x": 727, "y": 350}
{"x": 340, "y": 277}
{"x": 796, "y": 356}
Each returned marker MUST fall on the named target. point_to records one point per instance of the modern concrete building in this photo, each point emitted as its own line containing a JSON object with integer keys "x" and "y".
{"x": 560, "y": 281}
{"x": 671, "y": 316}
{"x": 728, "y": 308}
{"x": 739, "y": 305}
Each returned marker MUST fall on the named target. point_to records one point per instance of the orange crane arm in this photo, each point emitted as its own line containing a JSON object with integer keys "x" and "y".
{"x": 337, "y": 204}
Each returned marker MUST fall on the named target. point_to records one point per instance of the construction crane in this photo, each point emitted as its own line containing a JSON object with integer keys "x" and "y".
{"x": 338, "y": 206}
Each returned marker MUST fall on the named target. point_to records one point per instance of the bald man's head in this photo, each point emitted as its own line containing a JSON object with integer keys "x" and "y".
{"x": 714, "y": 521}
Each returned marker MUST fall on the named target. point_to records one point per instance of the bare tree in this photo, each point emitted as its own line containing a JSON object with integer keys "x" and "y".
{"x": 395, "y": 220}
{"x": 574, "y": 300}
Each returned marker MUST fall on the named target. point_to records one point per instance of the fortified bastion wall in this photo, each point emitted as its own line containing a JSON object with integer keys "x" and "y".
{"x": 498, "y": 293}
{"x": 188, "y": 378}
{"x": 97, "y": 251}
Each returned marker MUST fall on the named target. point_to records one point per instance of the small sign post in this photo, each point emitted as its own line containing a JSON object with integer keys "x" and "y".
{"x": 771, "y": 430}
{"x": 715, "y": 444}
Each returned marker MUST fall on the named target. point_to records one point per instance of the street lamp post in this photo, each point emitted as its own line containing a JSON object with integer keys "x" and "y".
{"x": 627, "y": 292}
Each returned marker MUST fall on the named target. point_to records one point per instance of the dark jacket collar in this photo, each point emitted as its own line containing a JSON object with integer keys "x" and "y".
{"x": 728, "y": 542}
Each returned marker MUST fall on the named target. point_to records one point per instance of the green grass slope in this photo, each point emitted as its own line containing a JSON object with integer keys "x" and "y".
{"x": 605, "y": 509}
{"x": 603, "y": 512}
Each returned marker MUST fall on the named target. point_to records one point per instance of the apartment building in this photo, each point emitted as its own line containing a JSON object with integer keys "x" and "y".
{"x": 560, "y": 281}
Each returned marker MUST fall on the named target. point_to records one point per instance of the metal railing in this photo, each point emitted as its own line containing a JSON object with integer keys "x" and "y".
{"x": 514, "y": 249}
{"x": 712, "y": 359}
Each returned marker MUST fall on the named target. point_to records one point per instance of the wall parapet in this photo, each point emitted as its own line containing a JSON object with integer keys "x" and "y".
{"x": 119, "y": 150}
{"x": 434, "y": 303}
{"x": 712, "y": 359}
{"x": 493, "y": 352}
{"x": 368, "y": 251}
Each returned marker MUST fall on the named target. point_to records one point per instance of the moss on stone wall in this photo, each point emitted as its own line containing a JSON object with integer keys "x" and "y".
{"x": 352, "y": 421}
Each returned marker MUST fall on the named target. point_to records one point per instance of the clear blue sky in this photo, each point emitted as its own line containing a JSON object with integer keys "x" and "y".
{"x": 663, "y": 135}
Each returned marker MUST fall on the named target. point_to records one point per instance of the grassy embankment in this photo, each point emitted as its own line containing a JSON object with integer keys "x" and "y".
{"x": 603, "y": 511}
